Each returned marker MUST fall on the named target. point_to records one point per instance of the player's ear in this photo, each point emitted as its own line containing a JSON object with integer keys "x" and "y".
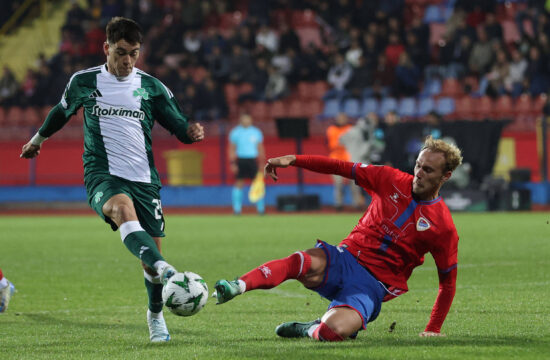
{"x": 106, "y": 48}
{"x": 446, "y": 176}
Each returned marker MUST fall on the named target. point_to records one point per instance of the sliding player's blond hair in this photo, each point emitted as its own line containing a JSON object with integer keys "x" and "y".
{"x": 453, "y": 155}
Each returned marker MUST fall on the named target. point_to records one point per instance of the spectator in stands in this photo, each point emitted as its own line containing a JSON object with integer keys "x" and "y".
{"x": 245, "y": 38}
{"x": 213, "y": 105}
{"x": 492, "y": 83}
{"x": 407, "y": 77}
{"x": 482, "y": 54}
{"x": 338, "y": 151}
{"x": 8, "y": 87}
{"x": 383, "y": 76}
{"x": 212, "y": 39}
{"x": 392, "y": 155}
{"x": 338, "y": 76}
{"x": 258, "y": 78}
{"x": 312, "y": 66}
{"x": 192, "y": 41}
{"x": 192, "y": 15}
{"x": 288, "y": 39}
{"x": 183, "y": 80}
{"x": 341, "y": 33}
{"x": 239, "y": 63}
{"x": 534, "y": 9}
{"x": 218, "y": 64}
{"x": 354, "y": 53}
{"x": 277, "y": 85}
{"x": 537, "y": 73}
{"x": 493, "y": 27}
{"x": 518, "y": 66}
{"x": 94, "y": 38}
{"x": 268, "y": 38}
{"x": 370, "y": 49}
{"x": 416, "y": 51}
{"x": 394, "y": 49}
{"x": 361, "y": 79}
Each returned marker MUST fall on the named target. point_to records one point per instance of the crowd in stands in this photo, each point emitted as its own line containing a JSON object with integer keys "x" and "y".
{"x": 364, "y": 50}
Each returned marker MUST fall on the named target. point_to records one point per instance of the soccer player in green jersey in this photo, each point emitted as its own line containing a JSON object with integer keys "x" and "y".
{"x": 120, "y": 105}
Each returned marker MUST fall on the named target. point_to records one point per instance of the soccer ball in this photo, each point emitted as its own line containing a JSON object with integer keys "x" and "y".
{"x": 185, "y": 293}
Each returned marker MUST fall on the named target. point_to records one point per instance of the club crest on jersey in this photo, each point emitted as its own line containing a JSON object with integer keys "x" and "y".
{"x": 422, "y": 224}
{"x": 142, "y": 92}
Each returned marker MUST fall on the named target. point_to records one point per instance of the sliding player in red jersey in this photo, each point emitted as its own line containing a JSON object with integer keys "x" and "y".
{"x": 405, "y": 220}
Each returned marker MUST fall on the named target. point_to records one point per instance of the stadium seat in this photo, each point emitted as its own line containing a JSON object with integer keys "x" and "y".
{"x": 306, "y": 90}
{"x": 245, "y": 88}
{"x": 331, "y": 109}
{"x": 425, "y": 105}
{"x": 538, "y": 104}
{"x": 431, "y": 87}
{"x": 369, "y": 105}
{"x": 296, "y": 108}
{"x": 31, "y": 117}
{"x": 231, "y": 92}
{"x": 388, "y": 104}
{"x": 258, "y": 110}
{"x": 319, "y": 89}
{"x": 445, "y": 106}
{"x": 14, "y": 115}
{"x": 351, "y": 108}
{"x": 436, "y": 33}
{"x": 503, "y": 107}
{"x": 312, "y": 108}
{"x": 451, "y": 87}
{"x": 230, "y": 20}
{"x": 433, "y": 14}
{"x": 464, "y": 108}
{"x": 483, "y": 108}
{"x": 407, "y": 107}
{"x": 278, "y": 109}
{"x": 523, "y": 105}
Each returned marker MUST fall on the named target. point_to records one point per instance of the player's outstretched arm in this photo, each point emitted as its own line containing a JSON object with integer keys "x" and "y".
{"x": 281, "y": 161}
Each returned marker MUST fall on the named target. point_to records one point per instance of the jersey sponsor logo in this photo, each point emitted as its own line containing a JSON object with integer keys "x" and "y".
{"x": 111, "y": 111}
{"x": 95, "y": 94}
{"x": 422, "y": 224}
{"x": 141, "y": 92}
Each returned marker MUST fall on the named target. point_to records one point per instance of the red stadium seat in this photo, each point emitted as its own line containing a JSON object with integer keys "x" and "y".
{"x": 245, "y": 88}
{"x": 483, "y": 108}
{"x": 523, "y": 105}
{"x": 303, "y": 19}
{"x": 510, "y": 31}
{"x": 503, "y": 108}
{"x": 31, "y": 117}
{"x": 452, "y": 88}
{"x": 258, "y": 111}
{"x": 296, "y": 108}
{"x": 464, "y": 108}
{"x": 14, "y": 115}
{"x": 231, "y": 92}
{"x": 538, "y": 104}
{"x": 2, "y": 116}
{"x": 278, "y": 109}
{"x": 313, "y": 108}
{"x": 305, "y": 90}
{"x": 319, "y": 89}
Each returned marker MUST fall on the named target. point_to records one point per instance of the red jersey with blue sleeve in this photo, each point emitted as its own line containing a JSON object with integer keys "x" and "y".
{"x": 396, "y": 231}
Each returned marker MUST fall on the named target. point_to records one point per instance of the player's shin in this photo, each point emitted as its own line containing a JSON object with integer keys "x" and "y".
{"x": 274, "y": 272}
{"x": 140, "y": 243}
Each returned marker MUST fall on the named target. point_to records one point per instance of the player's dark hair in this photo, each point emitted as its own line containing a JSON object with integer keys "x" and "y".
{"x": 123, "y": 28}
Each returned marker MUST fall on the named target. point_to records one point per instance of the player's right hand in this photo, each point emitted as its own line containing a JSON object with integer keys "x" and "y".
{"x": 29, "y": 151}
{"x": 281, "y": 161}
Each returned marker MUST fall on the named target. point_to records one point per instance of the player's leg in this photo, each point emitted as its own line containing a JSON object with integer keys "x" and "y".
{"x": 120, "y": 209}
{"x": 158, "y": 331}
{"x": 6, "y": 291}
{"x": 306, "y": 266}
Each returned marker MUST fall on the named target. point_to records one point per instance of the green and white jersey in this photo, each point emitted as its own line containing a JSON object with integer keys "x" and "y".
{"x": 119, "y": 114}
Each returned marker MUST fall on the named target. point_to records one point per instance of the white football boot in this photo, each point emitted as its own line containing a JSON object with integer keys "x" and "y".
{"x": 5, "y": 295}
{"x": 158, "y": 332}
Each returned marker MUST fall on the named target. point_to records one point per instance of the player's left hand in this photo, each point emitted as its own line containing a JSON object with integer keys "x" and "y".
{"x": 430, "y": 334}
{"x": 195, "y": 132}
{"x": 29, "y": 150}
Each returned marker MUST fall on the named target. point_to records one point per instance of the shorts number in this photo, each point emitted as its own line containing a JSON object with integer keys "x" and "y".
{"x": 158, "y": 209}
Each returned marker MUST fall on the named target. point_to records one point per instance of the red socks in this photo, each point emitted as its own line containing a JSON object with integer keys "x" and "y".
{"x": 1, "y": 275}
{"x": 274, "y": 272}
{"x": 324, "y": 333}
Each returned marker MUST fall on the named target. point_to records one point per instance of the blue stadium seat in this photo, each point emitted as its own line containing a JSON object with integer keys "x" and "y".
{"x": 445, "y": 106}
{"x": 351, "y": 108}
{"x": 369, "y": 105}
{"x": 432, "y": 87}
{"x": 425, "y": 105}
{"x": 433, "y": 14}
{"x": 331, "y": 109}
{"x": 388, "y": 104}
{"x": 407, "y": 107}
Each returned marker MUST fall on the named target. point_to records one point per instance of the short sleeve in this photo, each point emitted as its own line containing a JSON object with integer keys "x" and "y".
{"x": 445, "y": 253}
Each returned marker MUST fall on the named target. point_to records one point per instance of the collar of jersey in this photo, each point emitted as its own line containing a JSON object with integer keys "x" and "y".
{"x": 430, "y": 202}
{"x": 114, "y": 77}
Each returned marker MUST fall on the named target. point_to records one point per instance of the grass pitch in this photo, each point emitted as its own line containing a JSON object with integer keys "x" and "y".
{"x": 81, "y": 294}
